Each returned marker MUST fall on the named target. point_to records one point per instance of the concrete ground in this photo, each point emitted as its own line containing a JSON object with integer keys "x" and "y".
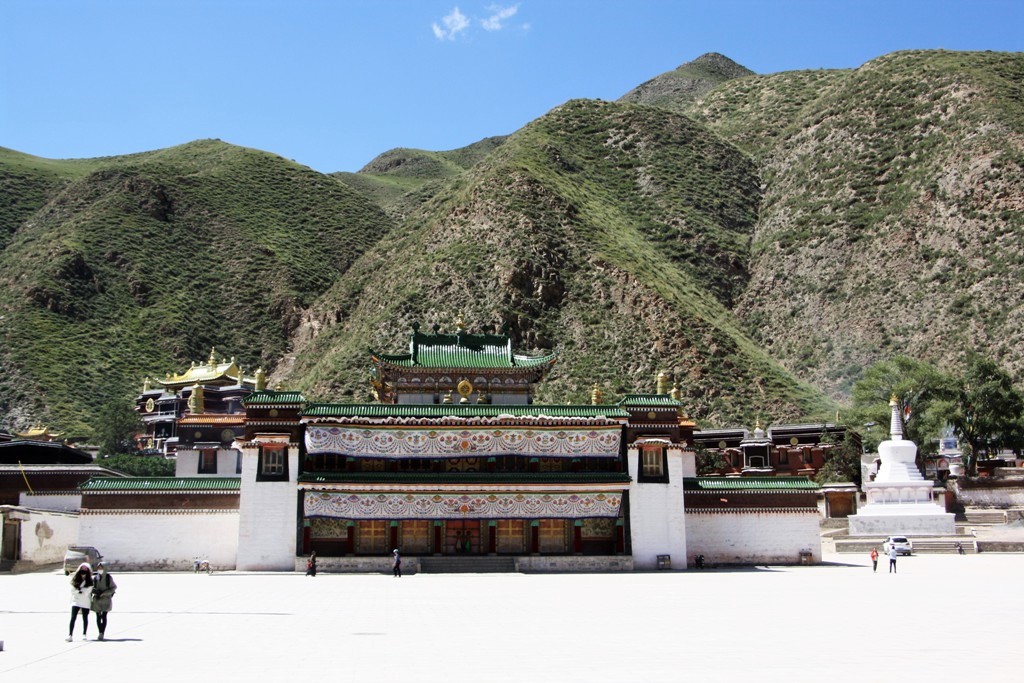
{"x": 941, "y": 618}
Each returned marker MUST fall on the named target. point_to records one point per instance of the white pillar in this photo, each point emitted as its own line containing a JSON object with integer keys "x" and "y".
{"x": 657, "y": 518}
{"x": 267, "y": 524}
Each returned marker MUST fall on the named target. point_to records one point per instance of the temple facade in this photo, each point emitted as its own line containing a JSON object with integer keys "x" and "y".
{"x": 454, "y": 463}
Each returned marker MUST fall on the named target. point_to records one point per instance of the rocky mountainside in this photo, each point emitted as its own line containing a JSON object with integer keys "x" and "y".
{"x": 763, "y": 238}
{"x": 893, "y": 214}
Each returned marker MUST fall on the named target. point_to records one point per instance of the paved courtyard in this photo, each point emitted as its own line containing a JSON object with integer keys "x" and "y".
{"x": 941, "y": 618}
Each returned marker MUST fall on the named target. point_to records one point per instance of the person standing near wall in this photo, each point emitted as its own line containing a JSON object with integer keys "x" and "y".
{"x": 396, "y": 564}
{"x": 81, "y": 598}
{"x": 311, "y": 564}
{"x": 103, "y": 588}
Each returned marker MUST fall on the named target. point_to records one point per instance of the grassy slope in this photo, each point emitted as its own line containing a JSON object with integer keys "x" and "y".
{"x": 678, "y": 88}
{"x": 134, "y": 265}
{"x": 599, "y": 229}
{"x": 893, "y": 219}
{"x": 400, "y": 180}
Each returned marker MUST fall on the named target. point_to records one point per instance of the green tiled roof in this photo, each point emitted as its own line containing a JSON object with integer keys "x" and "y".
{"x": 163, "y": 484}
{"x": 456, "y": 410}
{"x": 462, "y": 351}
{"x": 749, "y": 484}
{"x": 649, "y": 400}
{"x": 464, "y": 478}
{"x": 268, "y": 397}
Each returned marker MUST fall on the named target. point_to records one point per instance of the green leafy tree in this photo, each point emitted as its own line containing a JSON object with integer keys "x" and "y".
{"x": 986, "y": 411}
{"x": 117, "y": 423}
{"x": 843, "y": 463}
{"x": 922, "y": 393}
{"x": 139, "y": 465}
{"x": 709, "y": 462}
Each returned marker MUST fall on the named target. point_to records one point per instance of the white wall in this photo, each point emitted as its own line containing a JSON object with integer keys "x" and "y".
{"x": 59, "y": 502}
{"x": 46, "y": 535}
{"x": 162, "y": 539}
{"x": 657, "y": 517}
{"x": 752, "y": 537}
{"x": 268, "y": 524}
{"x": 187, "y": 463}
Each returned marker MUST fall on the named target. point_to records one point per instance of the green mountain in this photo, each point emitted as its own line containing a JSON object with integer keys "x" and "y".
{"x": 893, "y": 214}
{"x": 117, "y": 268}
{"x": 686, "y": 83}
{"x": 763, "y": 238}
{"x": 615, "y": 233}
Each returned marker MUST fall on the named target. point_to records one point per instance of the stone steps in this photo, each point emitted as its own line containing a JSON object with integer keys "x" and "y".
{"x": 467, "y": 565}
{"x": 945, "y": 545}
{"x": 985, "y": 516}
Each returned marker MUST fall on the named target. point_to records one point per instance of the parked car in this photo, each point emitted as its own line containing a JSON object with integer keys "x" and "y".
{"x": 902, "y": 544}
{"x": 77, "y": 554}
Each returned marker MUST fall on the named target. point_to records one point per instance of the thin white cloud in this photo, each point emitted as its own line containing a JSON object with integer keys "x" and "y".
{"x": 451, "y": 25}
{"x": 499, "y": 14}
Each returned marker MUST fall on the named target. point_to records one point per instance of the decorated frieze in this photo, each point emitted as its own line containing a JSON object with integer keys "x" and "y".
{"x": 465, "y": 506}
{"x": 383, "y": 442}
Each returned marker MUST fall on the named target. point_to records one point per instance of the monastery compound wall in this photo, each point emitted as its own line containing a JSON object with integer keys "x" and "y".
{"x": 154, "y": 539}
{"x": 753, "y": 538}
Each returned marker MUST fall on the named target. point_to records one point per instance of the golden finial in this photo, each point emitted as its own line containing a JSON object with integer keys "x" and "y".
{"x": 261, "y": 380}
{"x": 145, "y": 385}
{"x": 676, "y": 393}
{"x": 447, "y": 398}
{"x": 596, "y": 397}
{"x": 894, "y": 400}
{"x": 212, "y": 360}
{"x": 460, "y": 324}
{"x": 662, "y": 384}
{"x": 278, "y": 387}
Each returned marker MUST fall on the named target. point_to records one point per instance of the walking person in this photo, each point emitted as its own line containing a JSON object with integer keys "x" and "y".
{"x": 311, "y": 564}
{"x": 874, "y": 559}
{"x": 892, "y": 558}
{"x": 396, "y": 565}
{"x": 81, "y": 598}
{"x": 103, "y": 588}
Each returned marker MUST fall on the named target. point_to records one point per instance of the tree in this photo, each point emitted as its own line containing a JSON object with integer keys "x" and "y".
{"x": 986, "y": 412}
{"x": 922, "y": 393}
{"x": 117, "y": 423}
{"x": 843, "y": 463}
{"x": 139, "y": 465}
{"x": 709, "y": 462}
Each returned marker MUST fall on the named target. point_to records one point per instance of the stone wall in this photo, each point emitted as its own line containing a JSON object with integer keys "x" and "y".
{"x": 1001, "y": 496}
{"x": 162, "y": 539}
{"x": 267, "y": 529}
{"x": 60, "y": 501}
{"x": 45, "y": 535}
{"x": 752, "y": 537}
{"x": 574, "y": 563}
{"x": 359, "y": 565}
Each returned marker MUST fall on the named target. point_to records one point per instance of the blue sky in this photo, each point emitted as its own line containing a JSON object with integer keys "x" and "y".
{"x": 333, "y": 83}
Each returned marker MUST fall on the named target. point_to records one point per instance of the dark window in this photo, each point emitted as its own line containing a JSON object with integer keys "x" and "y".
{"x": 208, "y": 462}
{"x": 653, "y": 466}
{"x": 273, "y": 464}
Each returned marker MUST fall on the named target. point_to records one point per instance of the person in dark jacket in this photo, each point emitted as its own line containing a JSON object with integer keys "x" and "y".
{"x": 81, "y": 598}
{"x": 396, "y": 564}
{"x": 103, "y": 588}
{"x": 311, "y": 564}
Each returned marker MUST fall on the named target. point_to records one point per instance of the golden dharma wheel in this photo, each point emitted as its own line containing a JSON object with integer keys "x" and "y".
{"x": 464, "y": 388}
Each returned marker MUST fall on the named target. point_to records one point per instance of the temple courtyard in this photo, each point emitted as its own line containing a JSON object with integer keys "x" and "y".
{"x": 940, "y": 618}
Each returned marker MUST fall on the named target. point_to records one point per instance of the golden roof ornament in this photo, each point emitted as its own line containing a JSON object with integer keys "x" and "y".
{"x": 676, "y": 393}
{"x": 447, "y": 398}
{"x": 894, "y": 400}
{"x": 465, "y": 388}
{"x": 460, "y": 324}
{"x": 278, "y": 387}
{"x": 662, "y": 384}
{"x": 212, "y": 360}
{"x": 596, "y": 397}
{"x": 145, "y": 385}
{"x": 261, "y": 380}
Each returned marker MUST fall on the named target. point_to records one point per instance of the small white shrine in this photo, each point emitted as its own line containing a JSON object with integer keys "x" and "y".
{"x": 899, "y": 500}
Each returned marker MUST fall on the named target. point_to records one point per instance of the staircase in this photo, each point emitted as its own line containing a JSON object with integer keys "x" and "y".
{"x": 467, "y": 565}
{"x": 945, "y": 544}
{"x": 975, "y": 516}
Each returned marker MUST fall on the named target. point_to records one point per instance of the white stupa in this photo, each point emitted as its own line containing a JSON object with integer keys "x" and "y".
{"x": 900, "y": 499}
